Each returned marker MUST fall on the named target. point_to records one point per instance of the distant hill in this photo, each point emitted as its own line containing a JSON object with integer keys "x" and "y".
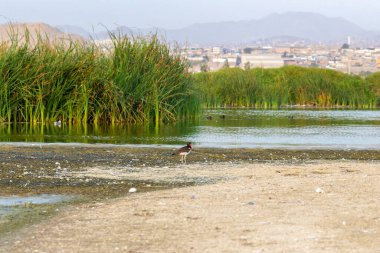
{"x": 310, "y": 27}
{"x": 307, "y": 26}
{"x": 285, "y": 27}
{"x": 72, "y": 29}
{"x": 47, "y": 32}
{"x": 120, "y": 30}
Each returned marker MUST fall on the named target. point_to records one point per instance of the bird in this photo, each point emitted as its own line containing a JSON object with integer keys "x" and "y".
{"x": 209, "y": 117}
{"x": 58, "y": 123}
{"x": 183, "y": 152}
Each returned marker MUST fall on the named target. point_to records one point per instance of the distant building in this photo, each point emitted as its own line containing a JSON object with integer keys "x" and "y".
{"x": 289, "y": 62}
{"x": 196, "y": 58}
{"x": 230, "y": 60}
{"x": 217, "y": 50}
{"x": 348, "y": 59}
{"x": 194, "y": 51}
{"x": 263, "y": 61}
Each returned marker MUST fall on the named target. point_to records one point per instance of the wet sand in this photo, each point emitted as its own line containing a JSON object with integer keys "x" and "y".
{"x": 294, "y": 202}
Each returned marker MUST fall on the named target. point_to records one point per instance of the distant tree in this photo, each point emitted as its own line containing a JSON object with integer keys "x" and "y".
{"x": 247, "y": 65}
{"x": 365, "y": 73}
{"x": 204, "y": 67}
{"x": 247, "y": 50}
{"x": 345, "y": 46}
{"x": 238, "y": 60}
{"x": 226, "y": 64}
{"x": 314, "y": 65}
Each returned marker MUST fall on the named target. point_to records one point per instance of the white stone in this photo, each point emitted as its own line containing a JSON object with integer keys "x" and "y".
{"x": 319, "y": 190}
{"x": 132, "y": 190}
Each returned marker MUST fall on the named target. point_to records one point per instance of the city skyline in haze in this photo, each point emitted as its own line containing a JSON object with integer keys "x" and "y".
{"x": 172, "y": 14}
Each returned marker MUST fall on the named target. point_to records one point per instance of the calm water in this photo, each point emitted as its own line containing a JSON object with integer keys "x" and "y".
{"x": 244, "y": 128}
{"x": 12, "y": 205}
{"x": 36, "y": 200}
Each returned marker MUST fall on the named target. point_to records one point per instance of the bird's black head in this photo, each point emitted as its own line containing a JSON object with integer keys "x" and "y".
{"x": 189, "y": 145}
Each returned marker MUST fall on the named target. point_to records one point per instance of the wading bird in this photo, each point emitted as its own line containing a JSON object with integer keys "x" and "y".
{"x": 58, "y": 123}
{"x": 183, "y": 152}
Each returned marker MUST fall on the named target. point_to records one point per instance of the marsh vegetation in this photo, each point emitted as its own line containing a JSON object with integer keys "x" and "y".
{"x": 143, "y": 80}
{"x": 134, "y": 80}
{"x": 287, "y": 86}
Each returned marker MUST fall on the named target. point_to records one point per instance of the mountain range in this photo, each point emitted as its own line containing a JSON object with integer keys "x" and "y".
{"x": 289, "y": 26}
{"x": 310, "y": 27}
{"x": 35, "y": 32}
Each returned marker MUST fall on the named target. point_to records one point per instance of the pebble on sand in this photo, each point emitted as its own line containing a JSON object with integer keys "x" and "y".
{"x": 319, "y": 190}
{"x": 132, "y": 190}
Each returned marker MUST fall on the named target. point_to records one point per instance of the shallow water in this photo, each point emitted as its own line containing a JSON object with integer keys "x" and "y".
{"x": 227, "y": 128}
{"x": 11, "y": 205}
{"x": 16, "y": 211}
{"x": 9, "y": 201}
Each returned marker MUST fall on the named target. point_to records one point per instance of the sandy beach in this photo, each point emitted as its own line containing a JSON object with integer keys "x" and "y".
{"x": 313, "y": 206}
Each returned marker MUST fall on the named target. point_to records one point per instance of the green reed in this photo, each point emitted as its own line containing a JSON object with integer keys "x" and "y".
{"x": 134, "y": 80}
{"x": 274, "y": 88}
{"x": 374, "y": 81}
{"x": 155, "y": 81}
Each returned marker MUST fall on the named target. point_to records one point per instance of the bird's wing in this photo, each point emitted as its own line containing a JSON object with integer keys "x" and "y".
{"x": 183, "y": 149}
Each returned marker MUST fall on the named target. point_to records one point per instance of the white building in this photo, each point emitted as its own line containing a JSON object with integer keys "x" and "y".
{"x": 217, "y": 50}
{"x": 263, "y": 60}
{"x": 230, "y": 60}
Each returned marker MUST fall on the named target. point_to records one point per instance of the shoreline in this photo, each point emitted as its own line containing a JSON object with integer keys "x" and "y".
{"x": 229, "y": 183}
{"x": 174, "y": 146}
{"x": 325, "y": 206}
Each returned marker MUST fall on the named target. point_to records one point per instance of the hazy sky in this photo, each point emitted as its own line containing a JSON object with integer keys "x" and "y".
{"x": 177, "y": 13}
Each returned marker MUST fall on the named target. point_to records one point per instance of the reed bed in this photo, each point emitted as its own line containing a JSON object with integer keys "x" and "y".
{"x": 286, "y": 86}
{"x": 142, "y": 80}
{"x": 374, "y": 81}
{"x": 135, "y": 80}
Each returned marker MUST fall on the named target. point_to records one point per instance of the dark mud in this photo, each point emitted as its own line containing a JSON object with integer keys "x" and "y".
{"x": 43, "y": 169}
{"x": 30, "y": 170}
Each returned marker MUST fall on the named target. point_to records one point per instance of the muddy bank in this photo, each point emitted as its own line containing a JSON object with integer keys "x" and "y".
{"x": 34, "y": 170}
{"x": 95, "y": 173}
{"x": 37, "y": 169}
{"x": 314, "y": 206}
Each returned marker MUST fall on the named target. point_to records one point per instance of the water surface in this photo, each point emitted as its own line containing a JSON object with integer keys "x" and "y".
{"x": 10, "y": 201}
{"x": 224, "y": 128}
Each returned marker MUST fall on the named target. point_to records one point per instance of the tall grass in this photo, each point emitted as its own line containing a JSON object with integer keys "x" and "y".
{"x": 143, "y": 80}
{"x": 155, "y": 82}
{"x": 136, "y": 80}
{"x": 374, "y": 81}
{"x": 274, "y": 88}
